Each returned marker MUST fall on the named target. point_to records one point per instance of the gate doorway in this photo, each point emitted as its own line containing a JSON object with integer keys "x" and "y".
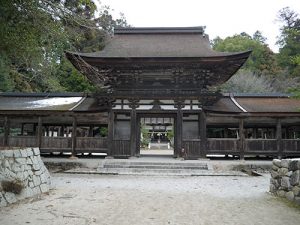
{"x": 156, "y": 135}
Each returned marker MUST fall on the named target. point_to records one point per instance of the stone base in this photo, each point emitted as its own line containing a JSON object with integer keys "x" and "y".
{"x": 25, "y": 167}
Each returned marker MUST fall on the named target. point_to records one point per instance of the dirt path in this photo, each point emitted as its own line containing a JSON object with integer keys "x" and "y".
{"x": 92, "y": 199}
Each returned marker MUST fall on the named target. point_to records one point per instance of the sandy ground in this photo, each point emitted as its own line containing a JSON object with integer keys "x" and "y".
{"x": 95, "y": 199}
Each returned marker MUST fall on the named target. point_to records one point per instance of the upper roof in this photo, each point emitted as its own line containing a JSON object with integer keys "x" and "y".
{"x": 157, "y": 42}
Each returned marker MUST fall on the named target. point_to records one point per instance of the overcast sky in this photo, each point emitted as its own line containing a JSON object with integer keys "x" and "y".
{"x": 221, "y": 17}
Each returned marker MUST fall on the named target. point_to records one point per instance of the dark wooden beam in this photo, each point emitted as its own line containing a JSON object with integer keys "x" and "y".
{"x": 110, "y": 135}
{"x": 242, "y": 138}
{"x": 133, "y": 132}
{"x": 202, "y": 124}
{"x": 279, "y": 138}
{"x": 74, "y": 135}
{"x": 39, "y": 132}
{"x": 6, "y": 130}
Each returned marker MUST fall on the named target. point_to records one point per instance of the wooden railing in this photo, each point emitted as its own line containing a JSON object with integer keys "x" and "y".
{"x": 91, "y": 144}
{"x": 222, "y": 146}
{"x": 60, "y": 144}
{"x": 22, "y": 141}
{"x": 260, "y": 146}
{"x": 290, "y": 146}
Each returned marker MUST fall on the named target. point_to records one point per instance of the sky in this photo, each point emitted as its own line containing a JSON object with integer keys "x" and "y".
{"x": 221, "y": 18}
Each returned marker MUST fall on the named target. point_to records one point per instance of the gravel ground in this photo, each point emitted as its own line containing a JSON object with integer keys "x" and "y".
{"x": 94, "y": 199}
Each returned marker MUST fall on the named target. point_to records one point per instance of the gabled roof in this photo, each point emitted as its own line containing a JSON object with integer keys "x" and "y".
{"x": 157, "y": 42}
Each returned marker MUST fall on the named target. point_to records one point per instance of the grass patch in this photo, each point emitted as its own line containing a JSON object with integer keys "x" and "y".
{"x": 13, "y": 186}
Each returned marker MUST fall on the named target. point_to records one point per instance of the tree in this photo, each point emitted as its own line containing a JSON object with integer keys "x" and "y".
{"x": 289, "y": 41}
{"x": 247, "y": 82}
{"x": 34, "y": 35}
{"x": 261, "y": 61}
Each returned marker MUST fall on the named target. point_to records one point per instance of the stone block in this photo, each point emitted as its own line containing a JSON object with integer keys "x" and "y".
{"x": 10, "y": 197}
{"x": 3, "y": 201}
{"x": 21, "y": 161}
{"x": 281, "y": 193}
{"x": 36, "y": 167}
{"x": 275, "y": 182}
{"x": 6, "y": 164}
{"x": 29, "y": 152}
{"x": 285, "y": 163}
{"x": 285, "y": 183}
{"x": 17, "y": 154}
{"x": 8, "y": 153}
{"x": 296, "y": 190}
{"x": 295, "y": 178}
{"x": 29, "y": 161}
{"x": 30, "y": 184}
{"x": 283, "y": 171}
{"x": 277, "y": 162}
{"x": 293, "y": 165}
{"x": 274, "y": 174}
{"x": 24, "y": 153}
{"x": 290, "y": 195}
{"x": 36, "y": 151}
{"x": 38, "y": 172}
{"x": 36, "y": 191}
{"x": 44, "y": 188}
{"x": 273, "y": 189}
{"x": 275, "y": 168}
{"x": 44, "y": 178}
{"x": 36, "y": 180}
{"x": 297, "y": 200}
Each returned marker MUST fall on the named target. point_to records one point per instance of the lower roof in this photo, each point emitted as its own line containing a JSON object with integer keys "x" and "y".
{"x": 79, "y": 102}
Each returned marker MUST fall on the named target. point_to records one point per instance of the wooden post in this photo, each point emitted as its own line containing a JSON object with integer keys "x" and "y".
{"x": 133, "y": 132}
{"x": 203, "y": 138}
{"x": 39, "y": 132}
{"x": 279, "y": 138}
{"x": 6, "y": 131}
{"x": 179, "y": 131}
{"x": 242, "y": 138}
{"x": 91, "y": 128}
{"x": 110, "y": 135}
{"x": 74, "y": 134}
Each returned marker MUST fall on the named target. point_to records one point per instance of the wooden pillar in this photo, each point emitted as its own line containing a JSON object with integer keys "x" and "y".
{"x": 203, "y": 138}
{"x": 39, "y": 132}
{"x": 74, "y": 134}
{"x": 110, "y": 135}
{"x": 22, "y": 129}
{"x": 242, "y": 138}
{"x": 279, "y": 138}
{"x": 133, "y": 132}
{"x": 179, "y": 119}
{"x": 91, "y": 128}
{"x": 6, "y": 131}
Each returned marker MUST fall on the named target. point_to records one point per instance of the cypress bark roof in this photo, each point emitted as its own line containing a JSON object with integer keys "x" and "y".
{"x": 157, "y": 42}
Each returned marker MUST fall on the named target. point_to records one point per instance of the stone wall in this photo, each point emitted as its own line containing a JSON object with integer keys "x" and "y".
{"x": 24, "y": 168}
{"x": 285, "y": 179}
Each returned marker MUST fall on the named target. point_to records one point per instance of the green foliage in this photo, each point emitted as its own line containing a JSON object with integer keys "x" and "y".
{"x": 34, "y": 35}
{"x": 103, "y": 131}
{"x": 262, "y": 59}
{"x": 289, "y": 41}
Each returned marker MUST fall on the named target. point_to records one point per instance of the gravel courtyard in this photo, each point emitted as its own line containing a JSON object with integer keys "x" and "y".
{"x": 95, "y": 199}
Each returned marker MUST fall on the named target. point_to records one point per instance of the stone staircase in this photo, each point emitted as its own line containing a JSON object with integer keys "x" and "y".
{"x": 154, "y": 167}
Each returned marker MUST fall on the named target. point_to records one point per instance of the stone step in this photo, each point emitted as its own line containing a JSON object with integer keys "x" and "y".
{"x": 200, "y": 167}
{"x": 170, "y": 167}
